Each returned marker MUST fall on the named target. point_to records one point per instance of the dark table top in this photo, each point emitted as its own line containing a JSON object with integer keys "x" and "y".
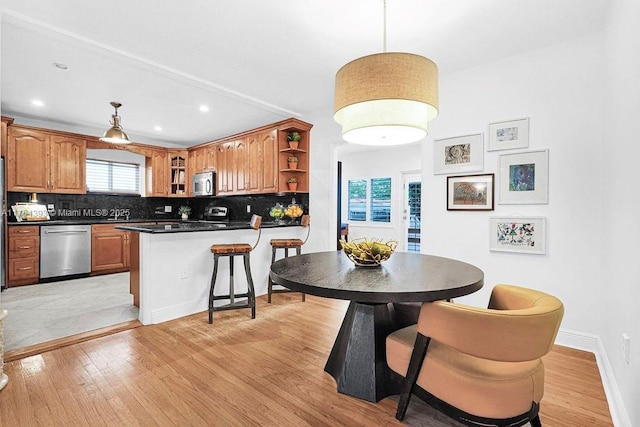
{"x": 404, "y": 277}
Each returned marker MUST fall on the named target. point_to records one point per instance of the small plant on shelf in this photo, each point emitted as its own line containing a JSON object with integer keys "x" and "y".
{"x": 293, "y": 184}
{"x": 294, "y": 139}
{"x": 293, "y": 162}
{"x": 293, "y": 136}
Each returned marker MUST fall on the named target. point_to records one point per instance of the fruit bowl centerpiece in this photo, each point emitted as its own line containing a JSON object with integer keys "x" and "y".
{"x": 277, "y": 212}
{"x": 293, "y": 211}
{"x": 368, "y": 252}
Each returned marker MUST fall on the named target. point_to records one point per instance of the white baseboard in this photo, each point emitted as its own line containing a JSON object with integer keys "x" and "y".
{"x": 593, "y": 344}
{"x": 176, "y": 311}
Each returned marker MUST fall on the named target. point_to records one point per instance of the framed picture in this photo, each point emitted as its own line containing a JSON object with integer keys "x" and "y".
{"x": 470, "y": 192}
{"x": 516, "y": 234}
{"x": 524, "y": 177}
{"x": 458, "y": 155}
{"x": 509, "y": 135}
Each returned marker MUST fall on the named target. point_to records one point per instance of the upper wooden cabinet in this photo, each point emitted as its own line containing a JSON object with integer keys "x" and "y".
{"x": 262, "y": 162}
{"x": 178, "y": 179}
{"x": 156, "y": 177}
{"x": 43, "y": 162}
{"x": 202, "y": 159}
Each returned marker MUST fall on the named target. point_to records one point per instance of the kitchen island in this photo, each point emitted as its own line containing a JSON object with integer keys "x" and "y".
{"x": 171, "y": 265}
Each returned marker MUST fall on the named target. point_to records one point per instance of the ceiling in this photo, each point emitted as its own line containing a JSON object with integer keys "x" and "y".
{"x": 252, "y": 62}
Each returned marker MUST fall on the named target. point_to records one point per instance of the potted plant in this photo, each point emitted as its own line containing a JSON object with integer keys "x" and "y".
{"x": 184, "y": 211}
{"x": 293, "y": 184}
{"x": 293, "y": 162}
{"x": 294, "y": 139}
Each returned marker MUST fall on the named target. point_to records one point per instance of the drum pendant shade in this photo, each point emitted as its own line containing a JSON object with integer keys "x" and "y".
{"x": 386, "y": 98}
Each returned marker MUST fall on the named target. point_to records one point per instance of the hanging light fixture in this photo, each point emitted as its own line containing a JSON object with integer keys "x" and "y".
{"x": 386, "y": 98}
{"x": 115, "y": 134}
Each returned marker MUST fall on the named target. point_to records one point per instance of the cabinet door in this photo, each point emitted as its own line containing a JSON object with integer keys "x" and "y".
{"x": 109, "y": 250}
{"x": 28, "y": 161}
{"x": 240, "y": 172}
{"x": 177, "y": 173}
{"x": 67, "y": 165}
{"x": 226, "y": 165}
{"x": 157, "y": 174}
{"x": 268, "y": 162}
{"x": 254, "y": 164}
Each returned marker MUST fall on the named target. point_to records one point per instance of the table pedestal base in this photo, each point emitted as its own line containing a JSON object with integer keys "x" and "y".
{"x": 358, "y": 359}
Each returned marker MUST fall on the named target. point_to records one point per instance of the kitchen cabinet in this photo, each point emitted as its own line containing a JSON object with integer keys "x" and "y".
{"x": 177, "y": 176}
{"x": 226, "y": 163}
{"x": 23, "y": 266}
{"x": 45, "y": 162}
{"x": 110, "y": 249}
{"x": 202, "y": 159}
{"x": 301, "y": 152}
{"x": 156, "y": 173}
{"x": 262, "y": 162}
{"x": 166, "y": 173}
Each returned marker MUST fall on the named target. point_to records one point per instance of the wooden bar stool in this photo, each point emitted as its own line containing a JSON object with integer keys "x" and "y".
{"x": 287, "y": 244}
{"x": 231, "y": 250}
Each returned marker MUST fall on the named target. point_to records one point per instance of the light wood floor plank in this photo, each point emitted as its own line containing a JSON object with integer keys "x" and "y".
{"x": 238, "y": 372}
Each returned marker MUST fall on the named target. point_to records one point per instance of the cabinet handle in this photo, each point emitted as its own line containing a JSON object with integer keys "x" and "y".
{"x": 24, "y": 247}
{"x": 23, "y": 231}
{"x": 25, "y": 268}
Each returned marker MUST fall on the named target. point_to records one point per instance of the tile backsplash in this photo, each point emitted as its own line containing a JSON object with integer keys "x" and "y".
{"x": 101, "y": 206}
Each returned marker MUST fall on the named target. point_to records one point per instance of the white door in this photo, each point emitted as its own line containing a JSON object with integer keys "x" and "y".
{"x": 412, "y": 191}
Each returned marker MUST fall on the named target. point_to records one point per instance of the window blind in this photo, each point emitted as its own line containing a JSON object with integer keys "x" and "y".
{"x": 113, "y": 177}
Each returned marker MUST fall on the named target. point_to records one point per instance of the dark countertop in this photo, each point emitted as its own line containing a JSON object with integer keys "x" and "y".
{"x": 93, "y": 221}
{"x": 191, "y": 226}
{"x": 158, "y": 225}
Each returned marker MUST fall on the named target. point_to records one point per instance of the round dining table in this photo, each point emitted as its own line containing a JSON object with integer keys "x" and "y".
{"x": 357, "y": 360}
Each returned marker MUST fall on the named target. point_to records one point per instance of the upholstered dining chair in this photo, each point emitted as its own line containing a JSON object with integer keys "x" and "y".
{"x": 481, "y": 366}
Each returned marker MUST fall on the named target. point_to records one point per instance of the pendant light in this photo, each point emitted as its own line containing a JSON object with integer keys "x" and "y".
{"x": 115, "y": 134}
{"x": 386, "y": 98}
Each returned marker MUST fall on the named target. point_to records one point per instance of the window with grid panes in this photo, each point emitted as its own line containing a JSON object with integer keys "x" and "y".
{"x": 380, "y": 200}
{"x": 357, "y": 202}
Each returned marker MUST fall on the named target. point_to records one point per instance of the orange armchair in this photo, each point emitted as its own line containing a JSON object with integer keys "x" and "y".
{"x": 479, "y": 366}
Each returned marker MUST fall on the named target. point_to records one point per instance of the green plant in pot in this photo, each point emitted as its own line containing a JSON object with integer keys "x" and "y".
{"x": 294, "y": 139}
{"x": 293, "y": 184}
{"x": 293, "y": 162}
{"x": 184, "y": 211}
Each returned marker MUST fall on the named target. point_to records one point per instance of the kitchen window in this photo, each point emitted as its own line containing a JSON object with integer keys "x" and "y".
{"x": 113, "y": 177}
{"x": 369, "y": 200}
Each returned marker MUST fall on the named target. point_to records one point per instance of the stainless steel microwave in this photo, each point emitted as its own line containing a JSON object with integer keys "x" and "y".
{"x": 204, "y": 184}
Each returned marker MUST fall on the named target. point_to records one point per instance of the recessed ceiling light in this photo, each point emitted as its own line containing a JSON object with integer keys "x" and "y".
{"x": 60, "y": 66}
{"x": 204, "y": 108}
{"x": 37, "y": 103}
{"x": 158, "y": 128}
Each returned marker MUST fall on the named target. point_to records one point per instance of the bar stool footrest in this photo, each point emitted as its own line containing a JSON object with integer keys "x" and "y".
{"x": 235, "y": 305}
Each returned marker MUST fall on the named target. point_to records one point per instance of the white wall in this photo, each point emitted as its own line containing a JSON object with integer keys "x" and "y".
{"x": 620, "y": 201}
{"x": 560, "y": 90}
{"x": 379, "y": 163}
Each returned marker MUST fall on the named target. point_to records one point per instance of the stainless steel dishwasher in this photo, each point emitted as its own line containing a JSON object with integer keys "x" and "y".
{"x": 64, "y": 250}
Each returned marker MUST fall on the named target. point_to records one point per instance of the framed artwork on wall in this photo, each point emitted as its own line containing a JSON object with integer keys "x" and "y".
{"x": 509, "y": 135}
{"x": 516, "y": 234}
{"x": 470, "y": 192}
{"x": 459, "y": 154}
{"x": 524, "y": 177}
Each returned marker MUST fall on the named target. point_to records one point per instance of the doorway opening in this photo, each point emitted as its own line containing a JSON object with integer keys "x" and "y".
{"x": 411, "y": 218}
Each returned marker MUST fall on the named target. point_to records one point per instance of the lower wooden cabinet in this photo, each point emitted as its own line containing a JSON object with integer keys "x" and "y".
{"x": 23, "y": 266}
{"x": 109, "y": 249}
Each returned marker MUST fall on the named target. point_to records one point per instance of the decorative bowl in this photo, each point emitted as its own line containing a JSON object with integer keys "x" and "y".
{"x": 368, "y": 252}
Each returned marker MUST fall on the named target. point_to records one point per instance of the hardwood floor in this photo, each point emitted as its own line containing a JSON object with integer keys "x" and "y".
{"x": 238, "y": 372}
